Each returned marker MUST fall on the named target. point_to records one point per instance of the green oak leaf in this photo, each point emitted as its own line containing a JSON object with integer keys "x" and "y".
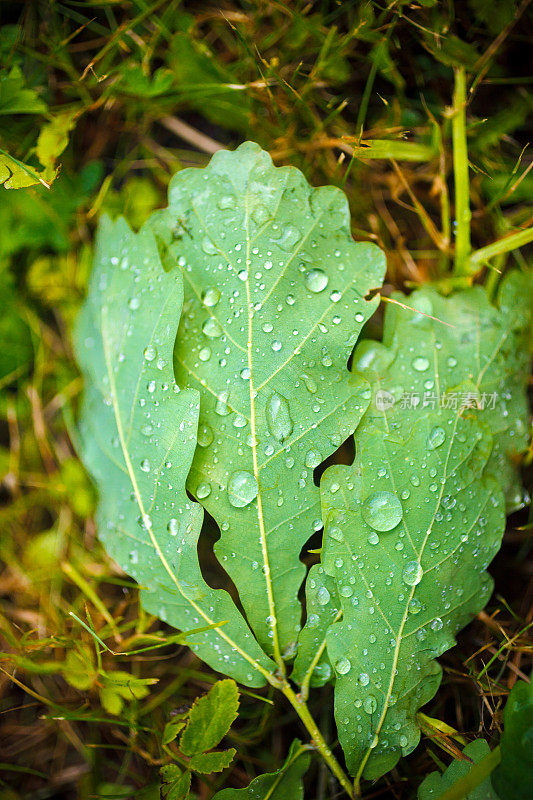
{"x": 281, "y": 785}
{"x": 138, "y": 432}
{"x": 275, "y": 293}
{"x": 513, "y": 778}
{"x": 210, "y": 718}
{"x": 459, "y": 776}
{"x": 410, "y": 528}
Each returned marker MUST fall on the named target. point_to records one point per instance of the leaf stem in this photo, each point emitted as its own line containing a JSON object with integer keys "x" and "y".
{"x": 300, "y": 706}
{"x": 460, "y": 173}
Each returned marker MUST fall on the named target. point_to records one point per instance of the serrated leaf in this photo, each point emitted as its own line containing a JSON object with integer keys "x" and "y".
{"x": 513, "y": 778}
{"x": 138, "y": 436}
{"x": 176, "y": 784}
{"x": 281, "y": 785}
{"x": 410, "y": 528}
{"x": 212, "y": 762}
{"x": 274, "y": 302}
{"x": 210, "y": 718}
{"x": 456, "y": 776}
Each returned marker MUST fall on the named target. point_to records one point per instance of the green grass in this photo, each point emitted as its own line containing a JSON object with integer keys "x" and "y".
{"x": 121, "y": 94}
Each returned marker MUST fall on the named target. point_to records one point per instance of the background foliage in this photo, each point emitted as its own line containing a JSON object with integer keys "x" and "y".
{"x": 102, "y": 102}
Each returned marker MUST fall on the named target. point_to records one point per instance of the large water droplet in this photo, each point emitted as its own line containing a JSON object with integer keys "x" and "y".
{"x": 364, "y": 679}
{"x": 370, "y": 704}
{"x": 382, "y": 511}
{"x": 312, "y": 459}
{"x": 212, "y": 328}
{"x": 323, "y": 596}
{"x": 316, "y": 280}
{"x": 208, "y": 246}
{"x": 203, "y": 490}
{"x": 150, "y": 352}
{"x": 436, "y": 437}
{"x": 242, "y": 489}
{"x": 290, "y": 236}
{"x": 211, "y": 296}
{"x": 343, "y": 665}
{"x": 205, "y": 435}
{"x": 420, "y": 364}
{"x": 412, "y": 573}
{"x": 204, "y": 354}
{"x": 278, "y": 417}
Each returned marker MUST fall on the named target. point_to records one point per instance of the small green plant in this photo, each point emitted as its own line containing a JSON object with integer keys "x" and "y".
{"x": 215, "y": 346}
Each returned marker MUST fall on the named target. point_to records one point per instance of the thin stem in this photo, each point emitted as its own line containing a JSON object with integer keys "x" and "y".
{"x": 303, "y": 712}
{"x": 505, "y": 245}
{"x": 460, "y": 172}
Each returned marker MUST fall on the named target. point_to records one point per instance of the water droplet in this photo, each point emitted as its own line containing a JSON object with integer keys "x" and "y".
{"x": 403, "y": 740}
{"x": 246, "y": 373}
{"x": 382, "y": 511}
{"x": 412, "y": 573}
{"x": 437, "y": 624}
{"x": 316, "y": 280}
{"x": 212, "y": 328}
{"x": 203, "y": 490}
{"x": 208, "y": 246}
{"x": 291, "y": 235}
{"x": 415, "y": 606}
{"x": 276, "y": 345}
{"x": 370, "y": 704}
{"x": 221, "y": 405}
{"x": 359, "y": 317}
{"x": 211, "y": 296}
{"x": 343, "y": 665}
{"x": 205, "y": 435}
{"x": 323, "y": 596}
{"x": 364, "y": 679}
{"x": 173, "y": 526}
{"x": 436, "y": 438}
{"x": 373, "y": 538}
{"x": 312, "y": 459}
{"x": 134, "y": 303}
{"x": 420, "y": 364}
{"x": 204, "y": 354}
{"x": 145, "y": 465}
{"x": 226, "y": 202}
{"x": 452, "y": 362}
{"x": 242, "y": 489}
{"x": 150, "y": 352}
{"x": 260, "y": 214}
{"x": 278, "y": 417}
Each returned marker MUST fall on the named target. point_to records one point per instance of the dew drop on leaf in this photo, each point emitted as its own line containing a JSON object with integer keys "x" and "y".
{"x": 316, "y": 280}
{"x": 150, "y": 352}
{"x": 208, "y": 246}
{"x": 204, "y": 354}
{"x": 203, "y": 490}
{"x": 370, "y": 704}
{"x": 343, "y": 665}
{"x": 323, "y": 596}
{"x": 205, "y": 435}
{"x": 412, "y": 573}
{"x": 436, "y": 437}
{"x": 364, "y": 679}
{"x": 145, "y": 465}
{"x": 242, "y": 488}
{"x": 212, "y": 328}
{"x": 420, "y": 363}
{"x": 278, "y": 417}
{"x": 382, "y": 511}
{"x": 211, "y": 296}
